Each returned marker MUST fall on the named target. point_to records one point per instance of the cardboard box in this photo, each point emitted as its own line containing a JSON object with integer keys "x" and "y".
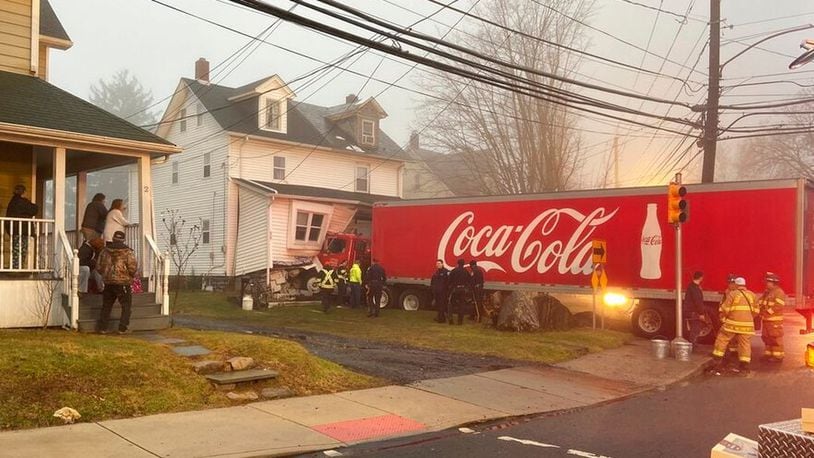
{"x": 734, "y": 446}
{"x": 785, "y": 439}
{"x": 808, "y": 420}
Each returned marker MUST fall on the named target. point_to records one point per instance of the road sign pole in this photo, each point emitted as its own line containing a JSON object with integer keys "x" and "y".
{"x": 594, "y": 314}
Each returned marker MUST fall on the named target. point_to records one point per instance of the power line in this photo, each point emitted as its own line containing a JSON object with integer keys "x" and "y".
{"x": 683, "y": 17}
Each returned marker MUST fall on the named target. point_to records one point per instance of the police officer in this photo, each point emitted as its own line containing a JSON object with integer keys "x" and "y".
{"x": 327, "y": 284}
{"x": 438, "y": 285}
{"x": 771, "y": 312}
{"x": 460, "y": 291}
{"x": 342, "y": 283}
{"x": 737, "y": 312}
{"x": 375, "y": 278}
{"x": 477, "y": 287}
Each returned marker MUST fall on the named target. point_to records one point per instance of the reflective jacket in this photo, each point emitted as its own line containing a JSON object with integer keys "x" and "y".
{"x": 355, "y": 275}
{"x": 327, "y": 279}
{"x": 738, "y": 311}
{"x": 771, "y": 304}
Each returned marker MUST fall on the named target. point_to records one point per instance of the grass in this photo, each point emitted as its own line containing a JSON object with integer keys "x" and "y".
{"x": 410, "y": 328}
{"x": 106, "y": 377}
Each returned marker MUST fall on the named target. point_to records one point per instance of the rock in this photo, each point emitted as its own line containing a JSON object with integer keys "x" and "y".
{"x": 208, "y": 367}
{"x": 276, "y": 393}
{"x": 518, "y": 312}
{"x": 240, "y": 363}
{"x": 225, "y": 387}
{"x": 68, "y": 415}
{"x": 244, "y": 396}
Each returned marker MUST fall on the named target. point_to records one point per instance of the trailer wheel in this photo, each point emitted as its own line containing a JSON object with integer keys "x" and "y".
{"x": 650, "y": 321}
{"x": 411, "y": 299}
{"x": 387, "y": 298}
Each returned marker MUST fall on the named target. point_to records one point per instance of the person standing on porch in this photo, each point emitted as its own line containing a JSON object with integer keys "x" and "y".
{"x": 19, "y": 207}
{"x": 93, "y": 223}
{"x": 115, "y": 221}
{"x": 117, "y": 264}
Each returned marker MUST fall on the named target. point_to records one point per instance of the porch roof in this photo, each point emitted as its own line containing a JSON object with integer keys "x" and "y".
{"x": 31, "y": 102}
{"x": 324, "y": 193}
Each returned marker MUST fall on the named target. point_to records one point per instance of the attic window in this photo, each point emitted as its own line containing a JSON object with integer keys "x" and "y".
{"x": 183, "y": 118}
{"x": 368, "y": 132}
{"x": 272, "y": 115}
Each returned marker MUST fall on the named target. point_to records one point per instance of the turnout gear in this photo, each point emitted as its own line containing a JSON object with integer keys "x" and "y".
{"x": 327, "y": 284}
{"x": 737, "y": 312}
{"x": 341, "y": 284}
{"x": 771, "y": 304}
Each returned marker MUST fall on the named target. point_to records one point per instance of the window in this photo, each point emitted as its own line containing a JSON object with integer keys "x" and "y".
{"x": 279, "y": 167}
{"x": 175, "y": 172}
{"x": 362, "y": 181}
{"x": 309, "y": 227}
{"x": 368, "y": 132}
{"x": 183, "y": 118}
{"x": 207, "y": 159}
{"x": 273, "y": 114}
{"x": 200, "y": 112}
{"x": 417, "y": 181}
{"x": 337, "y": 245}
{"x": 205, "y": 231}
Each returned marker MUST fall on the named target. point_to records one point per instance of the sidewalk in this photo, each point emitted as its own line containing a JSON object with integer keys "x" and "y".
{"x": 299, "y": 425}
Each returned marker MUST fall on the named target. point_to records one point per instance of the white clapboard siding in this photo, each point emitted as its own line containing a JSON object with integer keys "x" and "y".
{"x": 196, "y": 197}
{"x": 342, "y": 217}
{"x": 252, "y": 233}
{"x": 253, "y": 160}
{"x": 15, "y": 36}
{"x": 280, "y": 218}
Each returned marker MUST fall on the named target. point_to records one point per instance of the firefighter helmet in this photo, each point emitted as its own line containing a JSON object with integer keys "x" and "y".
{"x": 772, "y": 277}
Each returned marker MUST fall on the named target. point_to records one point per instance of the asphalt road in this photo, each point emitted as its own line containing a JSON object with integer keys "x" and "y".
{"x": 682, "y": 421}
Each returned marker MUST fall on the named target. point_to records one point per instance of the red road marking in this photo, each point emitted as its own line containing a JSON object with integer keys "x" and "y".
{"x": 366, "y": 428}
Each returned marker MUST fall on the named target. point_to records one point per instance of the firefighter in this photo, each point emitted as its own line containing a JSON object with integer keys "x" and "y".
{"x": 771, "y": 312}
{"x": 327, "y": 285}
{"x": 738, "y": 311}
{"x": 477, "y": 288}
{"x": 459, "y": 292}
{"x": 342, "y": 283}
{"x": 438, "y": 285}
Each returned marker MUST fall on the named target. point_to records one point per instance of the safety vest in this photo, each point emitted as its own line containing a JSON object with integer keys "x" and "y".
{"x": 738, "y": 310}
{"x": 355, "y": 274}
{"x": 772, "y": 303}
{"x": 342, "y": 274}
{"x": 327, "y": 279}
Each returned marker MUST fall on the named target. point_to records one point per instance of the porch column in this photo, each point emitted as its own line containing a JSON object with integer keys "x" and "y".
{"x": 145, "y": 187}
{"x": 81, "y": 198}
{"x": 59, "y": 201}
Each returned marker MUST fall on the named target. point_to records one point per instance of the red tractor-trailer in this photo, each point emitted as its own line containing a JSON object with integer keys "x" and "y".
{"x": 543, "y": 242}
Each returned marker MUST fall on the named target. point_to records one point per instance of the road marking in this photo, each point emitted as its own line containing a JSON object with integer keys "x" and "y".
{"x": 332, "y": 453}
{"x": 467, "y": 430}
{"x": 585, "y": 454}
{"x": 527, "y": 442}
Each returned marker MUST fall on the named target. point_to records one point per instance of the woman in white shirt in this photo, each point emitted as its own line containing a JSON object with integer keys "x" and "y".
{"x": 115, "y": 220}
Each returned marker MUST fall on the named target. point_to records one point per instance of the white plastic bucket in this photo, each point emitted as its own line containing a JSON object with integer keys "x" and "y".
{"x": 661, "y": 348}
{"x": 248, "y": 302}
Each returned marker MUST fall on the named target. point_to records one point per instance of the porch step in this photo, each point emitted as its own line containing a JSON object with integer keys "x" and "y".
{"x": 95, "y": 300}
{"x": 136, "y": 311}
{"x": 145, "y": 323}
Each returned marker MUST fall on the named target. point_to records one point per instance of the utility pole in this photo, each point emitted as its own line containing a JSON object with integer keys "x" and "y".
{"x": 616, "y": 162}
{"x": 711, "y": 123}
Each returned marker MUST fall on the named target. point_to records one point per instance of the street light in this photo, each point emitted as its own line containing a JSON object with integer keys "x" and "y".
{"x": 808, "y": 56}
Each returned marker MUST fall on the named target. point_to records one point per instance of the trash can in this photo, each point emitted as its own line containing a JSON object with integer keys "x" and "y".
{"x": 661, "y": 347}
{"x": 683, "y": 350}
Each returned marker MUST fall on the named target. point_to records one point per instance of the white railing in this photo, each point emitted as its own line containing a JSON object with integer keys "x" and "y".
{"x": 158, "y": 277}
{"x": 68, "y": 269}
{"x": 26, "y": 245}
{"x": 132, "y": 235}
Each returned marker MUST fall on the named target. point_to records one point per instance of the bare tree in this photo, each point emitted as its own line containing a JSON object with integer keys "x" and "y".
{"x": 183, "y": 242}
{"x": 512, "y": 143}
{"x": 47, "y": 286}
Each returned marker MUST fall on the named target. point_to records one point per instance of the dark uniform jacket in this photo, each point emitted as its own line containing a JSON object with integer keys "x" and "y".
{"x": 375, "y": 275}
{"x": 477, "y": 277}
{"x": 694, "y": 299}
{"x": 459, "y": 277}
{"x": 439, "y": 280}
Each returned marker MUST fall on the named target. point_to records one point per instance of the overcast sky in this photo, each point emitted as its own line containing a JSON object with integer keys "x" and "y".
{"x": 160, "y": 46}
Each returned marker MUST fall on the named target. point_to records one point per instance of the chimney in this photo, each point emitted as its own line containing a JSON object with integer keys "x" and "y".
{"x": 202, "y": 70}
{"x": 414, "y": 141}
{"x": 351, "y": 98}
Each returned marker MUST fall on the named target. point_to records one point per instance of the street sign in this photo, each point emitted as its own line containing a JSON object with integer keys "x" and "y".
{"x": 600, "y": 252}
{"x": 599, "y": 279}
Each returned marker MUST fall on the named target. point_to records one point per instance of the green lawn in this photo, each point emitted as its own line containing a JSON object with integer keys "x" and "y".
{"x": 410, "y": 328}
{"x": 106, "y": 377}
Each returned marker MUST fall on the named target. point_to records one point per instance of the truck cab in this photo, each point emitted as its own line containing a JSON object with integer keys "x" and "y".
{"x": 349, "y": 248}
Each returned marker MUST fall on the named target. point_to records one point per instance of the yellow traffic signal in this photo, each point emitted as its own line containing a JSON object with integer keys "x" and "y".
{"x": 677, "y": 207}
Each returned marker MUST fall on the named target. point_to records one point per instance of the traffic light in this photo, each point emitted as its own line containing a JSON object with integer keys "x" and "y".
{"x": 677, "y": 207}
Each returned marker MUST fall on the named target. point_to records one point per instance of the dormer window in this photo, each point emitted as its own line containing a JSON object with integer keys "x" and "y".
{"x": 272, "y": 116}
{"x": 368, "y": 133}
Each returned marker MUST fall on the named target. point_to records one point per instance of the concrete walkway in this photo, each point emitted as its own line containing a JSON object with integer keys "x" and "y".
{"x": 299, "y": 425}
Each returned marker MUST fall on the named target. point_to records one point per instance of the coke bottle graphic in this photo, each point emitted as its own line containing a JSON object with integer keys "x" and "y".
{"x": 651, "y": 245}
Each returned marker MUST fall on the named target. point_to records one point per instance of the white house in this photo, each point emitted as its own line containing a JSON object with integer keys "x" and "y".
{"x": 266, "y": 176}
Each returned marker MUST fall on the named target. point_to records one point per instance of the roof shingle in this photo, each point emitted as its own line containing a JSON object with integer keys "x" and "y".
{"x": 325, "y": 193}
{"x": 49, "y": 22}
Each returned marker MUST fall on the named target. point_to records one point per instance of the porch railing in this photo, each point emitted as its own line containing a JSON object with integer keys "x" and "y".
{"x": 132, "y": 234}
{"x": 158, "y": 277}
{"x": 68, "y": 270}
{"x": 26, "y": 245}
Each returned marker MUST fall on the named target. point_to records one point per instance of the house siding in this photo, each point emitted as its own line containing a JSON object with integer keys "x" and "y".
{"x": 15, "y": 36}
{"x": 195, "y": 197}
{"x": 252, "y": 235}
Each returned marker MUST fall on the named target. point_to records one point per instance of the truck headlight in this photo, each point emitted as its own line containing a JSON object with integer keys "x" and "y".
{"x": 615, "y": 299}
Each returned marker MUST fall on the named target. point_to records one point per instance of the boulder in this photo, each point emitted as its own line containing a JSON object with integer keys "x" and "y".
{"x": 518, "y": 312}
{"x": 207, "y": 367}
{"x": 276, "y": 393}
{"x": 244, "y": 396}
{"x": 68, "y": 415}
{"x": 225, "y": 386}
{"x": 239, "y": 363}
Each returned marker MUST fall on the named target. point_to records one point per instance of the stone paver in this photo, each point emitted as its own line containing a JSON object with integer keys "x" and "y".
{"x": 496, "y": 395}
{"x": 192, "y": 350}
{"x": 316, "y": 410}
{"x": 251, "y": 375}
{"x": 236, "y": 431}
{"x": 169, "y": 341}
{"x": 435, "y": 411}
{"x": 73, "y": 441}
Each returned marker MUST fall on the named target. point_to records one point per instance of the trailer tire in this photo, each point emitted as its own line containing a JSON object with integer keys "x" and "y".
{"x": 387, "y": 298}
{"x": 651, "y": 320}
{"x": 412, "y": 299}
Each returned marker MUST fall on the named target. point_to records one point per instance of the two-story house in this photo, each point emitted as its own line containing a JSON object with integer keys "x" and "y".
{"x": 266, "y": 176}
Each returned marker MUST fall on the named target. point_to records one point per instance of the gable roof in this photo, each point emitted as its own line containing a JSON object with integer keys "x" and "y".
{"x": 452, "y": 169}
{"x": 30, "y": 101}
{"x": 49, "y": 22}
{"x": 307, "y": 123}
{"x": 323, "y": 193}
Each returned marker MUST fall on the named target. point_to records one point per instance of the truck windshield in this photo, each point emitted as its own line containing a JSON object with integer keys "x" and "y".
{"x": 336, "y": 245}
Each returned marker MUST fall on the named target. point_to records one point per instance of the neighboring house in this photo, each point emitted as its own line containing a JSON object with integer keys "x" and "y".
{"x": 266, "y": 177}
{"x": 420, "y": 181}
{"x": 48, "y": 135}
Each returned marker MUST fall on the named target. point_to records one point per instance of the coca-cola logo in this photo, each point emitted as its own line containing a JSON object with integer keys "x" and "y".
{"x": 651, "y": 240}
{"x": 531, "y": 246}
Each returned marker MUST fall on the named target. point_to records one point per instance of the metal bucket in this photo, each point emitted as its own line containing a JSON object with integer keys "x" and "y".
{"x": 661, "y": 348}
{"x": 682, "y": 350}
